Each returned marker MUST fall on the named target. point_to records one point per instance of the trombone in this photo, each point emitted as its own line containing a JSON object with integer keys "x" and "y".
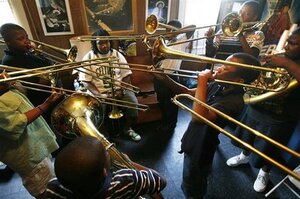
{"x": 228, "y": 134}
{"x": 160, "y": 52}
{"x": 71, "y": 53}
{"x": 46, "y": 69}
{"x": 67, "y": 92}
{"x": 152, "y": 24}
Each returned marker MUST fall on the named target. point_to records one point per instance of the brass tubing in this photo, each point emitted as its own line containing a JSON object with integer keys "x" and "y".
{"x": 107, "y": 100}
{"x": 45, "y": 72}
{"x": 248, "y": 146}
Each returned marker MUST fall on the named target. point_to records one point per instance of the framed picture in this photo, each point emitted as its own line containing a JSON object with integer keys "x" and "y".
{"x": 159, "y": 8}
{"x": 113, "y": 16}
{"x": 55, "y": 17}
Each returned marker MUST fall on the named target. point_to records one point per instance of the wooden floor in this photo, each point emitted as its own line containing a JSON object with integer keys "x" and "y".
{"x": 159, "y": 151}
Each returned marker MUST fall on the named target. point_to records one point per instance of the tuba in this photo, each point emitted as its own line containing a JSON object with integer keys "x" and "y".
{"x": 82, "y": 115}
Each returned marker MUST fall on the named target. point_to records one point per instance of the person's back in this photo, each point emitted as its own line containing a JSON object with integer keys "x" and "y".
{"x": 83, "y": 168}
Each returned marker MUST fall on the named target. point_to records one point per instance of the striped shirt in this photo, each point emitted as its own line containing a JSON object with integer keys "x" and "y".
{"x": 124, "y": 183}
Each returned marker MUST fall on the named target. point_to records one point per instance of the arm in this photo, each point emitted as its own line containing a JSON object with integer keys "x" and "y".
{"x": 39, "y": 110}
{"x": 176, "y": 87}
{"x": 201, "y": 94}
{"x": 246, "y": 48}
{"x": 210, "y": 47}
{"x": 292, "y": 67}
{"x": 91, "y": 87}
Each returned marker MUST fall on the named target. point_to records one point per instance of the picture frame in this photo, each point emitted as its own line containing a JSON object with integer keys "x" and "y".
{"x": 55, "y": 17}
{"x": 120, "y": 17}
{"x": 159, "y": 8}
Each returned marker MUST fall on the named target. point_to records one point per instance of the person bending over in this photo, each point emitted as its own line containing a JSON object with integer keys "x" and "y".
{"x": 83, "y": 171}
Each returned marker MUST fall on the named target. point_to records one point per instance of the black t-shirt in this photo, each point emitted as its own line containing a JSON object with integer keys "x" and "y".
{"x": 200, "y": 140}
{"x": 28, "y": 61}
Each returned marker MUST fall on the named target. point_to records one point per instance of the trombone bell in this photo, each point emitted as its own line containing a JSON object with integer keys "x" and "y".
{"x": 70, "y": 53}
{"x": 152, "y": 25}
{"x": 232, "y": 25}
{"x": 115, "y": 113}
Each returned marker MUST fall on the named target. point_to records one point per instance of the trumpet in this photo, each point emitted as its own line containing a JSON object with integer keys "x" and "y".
{"x": 228, "y": 134}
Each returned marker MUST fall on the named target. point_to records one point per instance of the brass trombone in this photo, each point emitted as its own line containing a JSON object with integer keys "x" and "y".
{"x": 66, "y": 92}
{"x": 69, "y": 53}
{"x": 152, "y": 24}
{"x": 46, "y": 69}
{"x": 232, "y": 25}
{"x": 160, "y": 52}
{"x": 228, "y": 134}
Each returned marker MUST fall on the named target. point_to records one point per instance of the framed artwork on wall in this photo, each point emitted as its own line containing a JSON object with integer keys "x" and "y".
{"x": 159, "y": 8}
{"x": 114, "y": 16}
{"x": 55, "y": 17}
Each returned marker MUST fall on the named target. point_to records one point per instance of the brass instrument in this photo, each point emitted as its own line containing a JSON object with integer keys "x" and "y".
{"x": 66, "y": 92}
{"x": 69, "y": 53}
{"x": 152, "y": 24}
{"x": 250, "y": 98}
{"x": 104, "y": 38}
{"x": 80, "y": 115}
{"x": 160, "y": 52}
{"x": 47, "y": 69}
{"x": 115, "y": 113}
{"x": 228, "y": 134}
{"x": 232, "y": 25}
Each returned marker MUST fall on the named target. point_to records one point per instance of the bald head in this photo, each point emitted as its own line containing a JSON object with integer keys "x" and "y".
{"x": 80, "y": 165}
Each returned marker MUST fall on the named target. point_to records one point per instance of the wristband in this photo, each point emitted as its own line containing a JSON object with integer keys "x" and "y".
{"x": 42, "y": 110}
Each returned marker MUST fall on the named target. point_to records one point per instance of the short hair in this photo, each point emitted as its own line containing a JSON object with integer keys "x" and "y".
{"x": 79, "y": 166}
{"x": 7, "y": 30}
{"x": 255, "y": 5}
{"x": 99, "y": 32}
{"x": 175, "y": 23}
{"x": 249, "y": 75}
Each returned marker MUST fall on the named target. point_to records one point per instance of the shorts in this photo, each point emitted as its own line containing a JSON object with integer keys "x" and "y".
{"x": 36, "y": 182}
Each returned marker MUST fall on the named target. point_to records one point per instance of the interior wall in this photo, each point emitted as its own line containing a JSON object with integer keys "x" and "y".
{"x": 80, "y": 22}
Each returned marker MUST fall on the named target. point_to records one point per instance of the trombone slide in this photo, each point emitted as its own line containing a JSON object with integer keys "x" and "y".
{"x": 228, "y": 134}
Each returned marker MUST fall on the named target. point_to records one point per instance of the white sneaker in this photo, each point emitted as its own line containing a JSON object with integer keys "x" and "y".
{"x": 133, "y": 135}
{"x": 237, "y": 160}
{"x": 261, "y": 181}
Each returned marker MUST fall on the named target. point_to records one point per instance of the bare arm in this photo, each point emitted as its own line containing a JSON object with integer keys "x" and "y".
{"x": 91, "y": 87}
{"x": 176, "y": 87}
{"x": 201, "y": 94}
{"x": 292, "y": 67}
{"x": 246, "y": 48}
{"x": 39, "y": 110}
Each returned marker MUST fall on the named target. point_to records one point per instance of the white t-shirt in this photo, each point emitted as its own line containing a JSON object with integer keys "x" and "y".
{"x": 90, "y": 73}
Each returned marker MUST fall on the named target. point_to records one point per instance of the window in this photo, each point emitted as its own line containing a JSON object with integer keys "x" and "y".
{"x": 7, "y": 15}
{"x": 200, "y": 13}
